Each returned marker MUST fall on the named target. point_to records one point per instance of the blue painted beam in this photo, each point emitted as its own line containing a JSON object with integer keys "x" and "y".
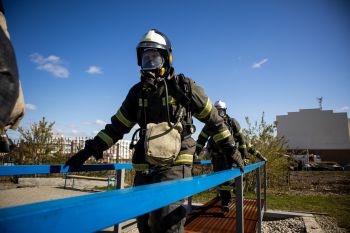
{"x": 94, "y": 212}
{"x": 47, "y": 169}
{"x": 202, "y": 162}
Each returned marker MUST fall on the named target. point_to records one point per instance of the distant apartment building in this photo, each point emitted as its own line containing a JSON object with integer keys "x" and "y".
{"x": 119, "y": 152}
{"x": 319, "y": 131}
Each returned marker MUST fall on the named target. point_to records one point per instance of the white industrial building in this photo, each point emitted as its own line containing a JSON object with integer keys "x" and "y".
{"x": 319, "y": 131}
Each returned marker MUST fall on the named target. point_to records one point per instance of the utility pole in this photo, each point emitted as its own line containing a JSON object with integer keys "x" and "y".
{"x": 320, "y": 99}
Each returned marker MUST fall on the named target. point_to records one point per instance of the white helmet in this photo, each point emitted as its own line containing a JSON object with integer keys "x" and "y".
{"x": 220, "y": 105}
{"x": 159, "y": 50}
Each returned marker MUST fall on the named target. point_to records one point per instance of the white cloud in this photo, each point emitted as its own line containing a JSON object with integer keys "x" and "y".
{"x": 100, "y": 122}
{"x": 31, "y": 107}
{"x": 345, "y": 108}
{"x": 75, "y": 132}
{"x": 51, "y": 64}
{"x": 94, "y": 70}
{"x": 258, "y": 65}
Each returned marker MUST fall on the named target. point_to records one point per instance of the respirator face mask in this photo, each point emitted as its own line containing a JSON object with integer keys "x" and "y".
{"x": 222, "y": 112}
{"x": 151, "y": 60}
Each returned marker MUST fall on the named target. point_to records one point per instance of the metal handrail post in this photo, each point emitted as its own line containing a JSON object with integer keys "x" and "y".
{"x": 265, "y": 187}
{"x": 73, "y": 183}
{"x": 258, "y": 198}
{"x": 65, "y": 180}
{"x": 120, "y": 179}
{"x": 239, "y": 204}
{"x": 189, "y": 204}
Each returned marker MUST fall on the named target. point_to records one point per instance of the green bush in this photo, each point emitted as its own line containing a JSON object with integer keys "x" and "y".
{"x": 263, "y": 137}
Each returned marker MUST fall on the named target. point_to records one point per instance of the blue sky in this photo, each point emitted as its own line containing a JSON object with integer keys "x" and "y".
{"x": 77, "y": 59}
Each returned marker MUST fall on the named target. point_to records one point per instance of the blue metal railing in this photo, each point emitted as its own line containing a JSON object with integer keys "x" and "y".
{"x": 48, "y": 169}
{"x": 93, "y": 212}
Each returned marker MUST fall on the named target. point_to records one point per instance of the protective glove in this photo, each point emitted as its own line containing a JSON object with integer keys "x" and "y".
{"x": 246, "y": 162}
{"x": 4, "y": 143}
{"x": 233, "y": 156}
{"x": 77, "y": 160}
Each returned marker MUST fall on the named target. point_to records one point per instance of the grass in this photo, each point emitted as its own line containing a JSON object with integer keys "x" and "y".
{"x": 336, "y": 206}
{"x": 344, "y": 173}
{"x": 204, "y": 196}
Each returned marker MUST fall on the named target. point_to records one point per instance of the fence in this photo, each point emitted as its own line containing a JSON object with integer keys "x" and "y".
{"x": 94, "y": 212}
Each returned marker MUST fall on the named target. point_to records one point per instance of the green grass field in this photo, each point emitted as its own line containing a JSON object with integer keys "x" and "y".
{"x": 337, "y": 206}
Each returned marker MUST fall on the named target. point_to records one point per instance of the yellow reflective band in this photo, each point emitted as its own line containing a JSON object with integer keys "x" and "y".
{"x": 140, "y": 166}
{"x": 204, "y": 134}
{"x": 239, "y": 132}
{"x": 199, "y": 145}
{"x": 107, "y": 139}
{"x": 206, "y": 110}
{"x": 184, "y": 158}
{"x": 123, "y": 120}
{"x": 249, "y": 145}
{"x": 243, "y": 146}
{"x": 143, "y": 102}
{"x": 221, "y": 136}
{"x": 171, "y": 100}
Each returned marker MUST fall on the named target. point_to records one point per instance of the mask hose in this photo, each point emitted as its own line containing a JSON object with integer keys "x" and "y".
{"x": 167, "y": 104}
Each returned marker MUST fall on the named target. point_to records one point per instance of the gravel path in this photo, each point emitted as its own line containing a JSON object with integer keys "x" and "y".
{"x": 296, "y": 225}
{"x": 290, "y": 225}
{"x": 329, "y": 224}
{"x": 20, "y": 196}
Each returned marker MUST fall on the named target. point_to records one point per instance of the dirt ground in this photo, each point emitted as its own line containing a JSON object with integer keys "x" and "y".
{"x": 324, "y": 183}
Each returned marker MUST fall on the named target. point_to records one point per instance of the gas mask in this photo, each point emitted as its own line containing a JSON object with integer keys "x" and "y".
{"x": 222, "y": 112}
{"x": 152, "y": 64}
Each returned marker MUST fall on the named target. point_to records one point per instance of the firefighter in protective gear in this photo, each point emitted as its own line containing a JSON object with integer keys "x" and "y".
{"x": 161, "y": 100}
{"x": 218, "y": 165}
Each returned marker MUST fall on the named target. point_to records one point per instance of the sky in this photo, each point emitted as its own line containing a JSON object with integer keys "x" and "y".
{"x": 77, "y": 59}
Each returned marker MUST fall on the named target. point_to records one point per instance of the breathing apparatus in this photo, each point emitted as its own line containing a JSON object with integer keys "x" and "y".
{"x": 154, "y": 55}
{"x": 221, "y": 107}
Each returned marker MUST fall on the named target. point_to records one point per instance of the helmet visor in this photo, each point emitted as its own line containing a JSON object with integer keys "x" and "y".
{"x": 151, "y": 59}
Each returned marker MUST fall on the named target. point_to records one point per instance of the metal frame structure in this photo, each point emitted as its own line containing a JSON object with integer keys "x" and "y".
{"x": 93, "y": 212}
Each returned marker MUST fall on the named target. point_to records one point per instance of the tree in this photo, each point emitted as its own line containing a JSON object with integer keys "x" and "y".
{"x": 36, "y": 143}
{"x": 263, "y": 137}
